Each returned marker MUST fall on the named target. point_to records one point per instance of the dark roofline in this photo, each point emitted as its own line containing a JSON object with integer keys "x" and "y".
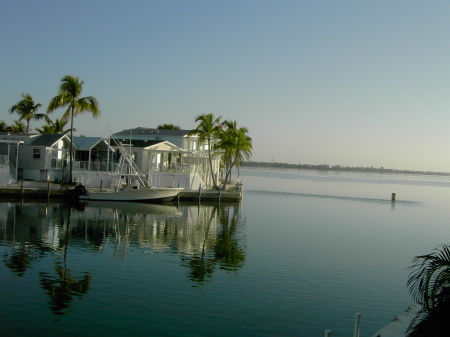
{"x": 151, "y": 131}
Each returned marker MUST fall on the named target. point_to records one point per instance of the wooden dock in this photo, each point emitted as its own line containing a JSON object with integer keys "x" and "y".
{"x": 56, "y": 191}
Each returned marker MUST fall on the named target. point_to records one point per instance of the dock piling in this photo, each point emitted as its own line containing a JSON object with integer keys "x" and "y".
{"x": 393, "y": 196}
{"x": 327, "y": 333}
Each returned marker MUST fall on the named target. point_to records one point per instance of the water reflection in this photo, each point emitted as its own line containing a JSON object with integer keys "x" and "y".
{"x": 222, "y": 246}
{"x": 41, "y": 237}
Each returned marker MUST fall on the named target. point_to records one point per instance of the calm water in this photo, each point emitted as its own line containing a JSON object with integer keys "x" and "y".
{"x": 302, "y": 253}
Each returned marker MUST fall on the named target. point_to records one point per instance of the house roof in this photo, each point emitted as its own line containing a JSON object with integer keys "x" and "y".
{"x": 153, "y": 145}
{"x": 151, "y": 132}
{"x": 48, "y": 139}
{"x": 136, "y": 142}
{"x": 88, "y": 143}
{"x": 165, "y": 147}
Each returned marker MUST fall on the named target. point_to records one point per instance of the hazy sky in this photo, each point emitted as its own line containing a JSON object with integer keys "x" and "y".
{"x": 336, "y": 82}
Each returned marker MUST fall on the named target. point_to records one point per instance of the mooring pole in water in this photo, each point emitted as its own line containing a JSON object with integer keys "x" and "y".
{"x": 21, "y": 189}
{"x": 101, "y": 185}
{"x": 48, "y": 189}
{"x": 327, "y": 333}
{"x": 393, "y": 196}
{"x": 199, "y": 193}
{"x": 357, "y": 325}
{"x": 220, "y": 190}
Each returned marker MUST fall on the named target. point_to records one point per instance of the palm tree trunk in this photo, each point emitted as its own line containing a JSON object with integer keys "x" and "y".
{"x": 210, "y": 165}
{"x": 71, "y": 146}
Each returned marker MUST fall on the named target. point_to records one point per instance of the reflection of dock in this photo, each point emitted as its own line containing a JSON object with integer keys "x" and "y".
{"x": 135, "y": 207}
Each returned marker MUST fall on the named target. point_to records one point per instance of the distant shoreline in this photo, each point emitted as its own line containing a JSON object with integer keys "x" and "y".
{"x": 338, "y": 168}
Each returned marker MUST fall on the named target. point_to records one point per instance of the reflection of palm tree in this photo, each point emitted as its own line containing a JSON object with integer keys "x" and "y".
{"x": 64, "y": 286}
{"x": 201, "y": 266}
{"x": 227, "y": 249}
{"x": 429, "y": 284}
{"x": 19, "y": 261}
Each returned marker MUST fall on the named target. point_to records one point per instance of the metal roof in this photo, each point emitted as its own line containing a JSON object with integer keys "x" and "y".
{"x": 86, "y": 143}
{"x": 48, "y": 139}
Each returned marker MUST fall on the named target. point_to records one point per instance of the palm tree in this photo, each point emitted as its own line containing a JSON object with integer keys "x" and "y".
{"x": 54, "y": 127}
{"x": 207, "y": 130}
{"x": 26, "y": 108}
{"x": 69, "y": 96}
{"x": 235, "y": 146}
{"x": 4, "y": 127}
{"x": 429, "y": 285}
{"x": 168, "y": 127}
{"x": 18, "y": 127}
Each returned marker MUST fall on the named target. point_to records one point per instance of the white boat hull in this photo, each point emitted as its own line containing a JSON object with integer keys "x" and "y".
{"x": 141, "y": 194}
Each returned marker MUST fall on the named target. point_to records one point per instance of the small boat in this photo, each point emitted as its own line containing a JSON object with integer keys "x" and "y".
{"x": 146, "y": 193}
{"x": 128, "y": 184}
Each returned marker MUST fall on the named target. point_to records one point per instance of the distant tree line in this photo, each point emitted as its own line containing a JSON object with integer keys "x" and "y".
{"x": 336, "y": 168}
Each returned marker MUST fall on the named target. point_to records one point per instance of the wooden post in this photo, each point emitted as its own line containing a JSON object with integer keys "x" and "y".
{"x": 393, "y": 196}
{"x": 101, "y": 185}
{"x": 199, "y": 193}
{"x": 21, "y": 189}
{"x": 327, "y": 333}
{"x": 357, "y": 325}
{"x": 48, "y": 189}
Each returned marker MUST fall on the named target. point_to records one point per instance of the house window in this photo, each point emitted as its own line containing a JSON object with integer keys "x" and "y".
{"x": 36, "y": 153}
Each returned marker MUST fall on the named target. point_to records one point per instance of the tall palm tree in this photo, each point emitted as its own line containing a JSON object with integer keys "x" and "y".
{"x": 69, "y": 96}
{"x": 27, "y": 108}
{"x": 429, "y": 285}
{"x": 207, "y": 130}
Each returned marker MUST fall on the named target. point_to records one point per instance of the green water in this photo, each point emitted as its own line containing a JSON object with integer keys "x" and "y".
{"x": 301, "y": 254}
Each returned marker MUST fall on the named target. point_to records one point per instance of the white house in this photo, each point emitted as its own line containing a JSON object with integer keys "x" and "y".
{"x": 169, "y": 158}
{"x": 39, "y": 157}
{"x": 186, "y": 154}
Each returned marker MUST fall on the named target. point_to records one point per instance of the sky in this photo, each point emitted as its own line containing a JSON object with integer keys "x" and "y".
{"x": 350, "y": 83}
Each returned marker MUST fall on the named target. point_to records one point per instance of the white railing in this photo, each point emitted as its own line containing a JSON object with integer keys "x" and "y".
{"x": 174, "y": 168}
{"x": 13, "y": 171}
{"x": 94, "y": 166}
